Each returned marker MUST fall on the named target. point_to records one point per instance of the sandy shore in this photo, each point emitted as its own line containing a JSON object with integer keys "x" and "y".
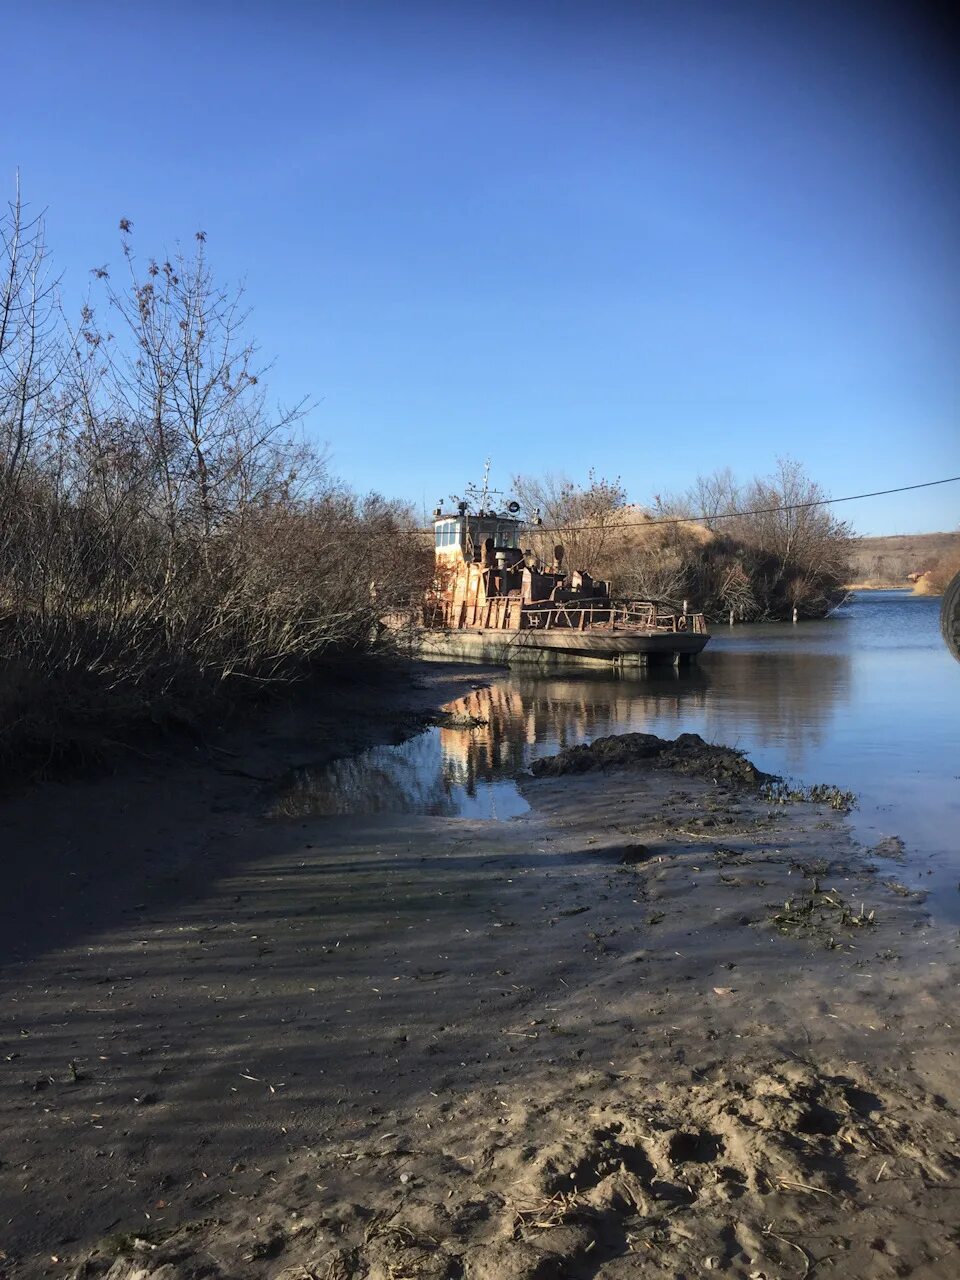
{"x": 589, "y": 1042}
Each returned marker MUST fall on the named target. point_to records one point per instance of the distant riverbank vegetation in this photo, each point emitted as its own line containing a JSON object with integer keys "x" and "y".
{"x": 166, "y": 537}
{"x": 924, "y": 562}
{"x": 784, "y": 553}
{"x": 935, "y": 580}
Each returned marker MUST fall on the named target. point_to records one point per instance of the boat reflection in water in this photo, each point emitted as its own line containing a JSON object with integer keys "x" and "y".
{"x": 525, "y": 717}
{"x": 754, "y": 700}
{"x": 770, "y": 705}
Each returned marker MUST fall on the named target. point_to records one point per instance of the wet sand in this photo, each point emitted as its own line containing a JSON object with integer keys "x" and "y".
{"x": 591, "y": 1041}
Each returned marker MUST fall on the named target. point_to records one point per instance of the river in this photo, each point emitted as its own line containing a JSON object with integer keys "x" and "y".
{"x": 867, "y": 699}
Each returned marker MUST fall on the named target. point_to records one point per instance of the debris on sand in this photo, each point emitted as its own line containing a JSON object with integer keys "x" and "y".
{"x": 891, "y": 847}
{"x": 820, "y": 914}
{"x": 777, "y": 791}
{"x": 632, "y": 855}
{"x": 687, "y": 754}
{"x": 904, "y": 891}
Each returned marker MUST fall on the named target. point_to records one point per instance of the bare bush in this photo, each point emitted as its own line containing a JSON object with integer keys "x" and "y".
{"x": 166, "y": 536}
{"x": 583, "y": 517}
{"x": 936, "y": 579}
{"x": 760, "y": 549}
{"x": 29, "y": 351}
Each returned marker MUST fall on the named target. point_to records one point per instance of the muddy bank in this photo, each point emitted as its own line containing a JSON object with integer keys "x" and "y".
{"x": 657, "y": 1026}
{"x": 686, "y": 754}
{"x": 158, "y": 824}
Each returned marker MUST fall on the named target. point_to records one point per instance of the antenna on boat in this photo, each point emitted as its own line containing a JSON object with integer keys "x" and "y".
{"x": 481, "y": 500}
{"x": 485, "y": 490}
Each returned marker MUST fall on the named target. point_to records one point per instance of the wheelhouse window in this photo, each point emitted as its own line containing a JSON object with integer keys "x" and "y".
{"x": 447, "y": 534}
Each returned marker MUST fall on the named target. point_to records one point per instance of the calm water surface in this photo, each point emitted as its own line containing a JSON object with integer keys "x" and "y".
{"x": 868, "y": 699}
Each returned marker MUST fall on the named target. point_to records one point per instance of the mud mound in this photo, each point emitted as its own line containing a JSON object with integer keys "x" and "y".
{"x": 687, "y": 754}
{"x": 759, "y": 1169}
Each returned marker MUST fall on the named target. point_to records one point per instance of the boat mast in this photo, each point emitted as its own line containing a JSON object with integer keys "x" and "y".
{"x": 485, "y": 491}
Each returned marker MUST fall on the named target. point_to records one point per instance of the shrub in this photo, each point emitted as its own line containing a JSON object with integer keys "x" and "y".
{"x": 165, "y": 537}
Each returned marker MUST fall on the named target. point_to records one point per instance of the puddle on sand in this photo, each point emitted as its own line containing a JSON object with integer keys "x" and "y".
{"x": 432, "y": 773}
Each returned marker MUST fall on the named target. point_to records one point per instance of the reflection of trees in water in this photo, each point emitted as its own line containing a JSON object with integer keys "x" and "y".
{"x": 403, "y": 779}
{"x": 772, "y": 697}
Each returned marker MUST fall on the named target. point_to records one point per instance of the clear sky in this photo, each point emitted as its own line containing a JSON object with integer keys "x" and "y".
{"x": 649, "y": 237}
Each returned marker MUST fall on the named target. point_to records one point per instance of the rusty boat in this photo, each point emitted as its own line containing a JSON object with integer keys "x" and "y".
{"x": 493, "y": 601}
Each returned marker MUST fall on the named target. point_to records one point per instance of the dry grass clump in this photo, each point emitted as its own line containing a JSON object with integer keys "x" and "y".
{"x": 550, "y": 1211}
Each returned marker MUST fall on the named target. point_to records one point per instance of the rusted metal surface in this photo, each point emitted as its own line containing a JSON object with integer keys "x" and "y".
{"x": 487, "y": 582}
{"x": 509, "y": 613}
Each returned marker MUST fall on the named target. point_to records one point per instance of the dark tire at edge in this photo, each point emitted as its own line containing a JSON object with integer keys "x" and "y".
{"x": 950, "y": 616}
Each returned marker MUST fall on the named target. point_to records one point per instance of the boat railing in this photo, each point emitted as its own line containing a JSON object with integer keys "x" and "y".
{"x": 501, "y": 612}
{"x": 648, "y": 613}
{"x": 636, "y": 614}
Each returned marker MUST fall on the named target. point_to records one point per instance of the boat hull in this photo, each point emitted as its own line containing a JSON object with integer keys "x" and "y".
{"x": 561, "y": 646}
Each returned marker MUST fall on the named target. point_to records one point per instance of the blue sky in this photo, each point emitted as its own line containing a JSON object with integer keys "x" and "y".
{"x": 650, "y": 238}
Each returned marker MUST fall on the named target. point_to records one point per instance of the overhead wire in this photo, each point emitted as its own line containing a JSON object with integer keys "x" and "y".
{"x": 729, "y": 515}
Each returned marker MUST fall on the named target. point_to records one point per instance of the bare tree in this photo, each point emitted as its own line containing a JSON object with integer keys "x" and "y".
{"x": 807, "y": 548}
{"x": 760, "y": 549}
{"x": 184, "y": 371}
{"x": 775, "y": 544}
{"x": 164, "y": 536}
{"x": 28, "y": 341}
{"x": 581, "y": 518}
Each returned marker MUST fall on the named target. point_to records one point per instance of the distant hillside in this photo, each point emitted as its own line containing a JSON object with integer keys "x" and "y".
{"x": 891, "y": 560}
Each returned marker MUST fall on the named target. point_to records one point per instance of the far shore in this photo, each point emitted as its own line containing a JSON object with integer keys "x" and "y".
{"x": 660, "y": 1018}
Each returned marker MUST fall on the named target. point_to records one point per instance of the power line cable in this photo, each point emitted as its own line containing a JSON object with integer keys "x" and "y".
{"x": 729, "y": 515}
